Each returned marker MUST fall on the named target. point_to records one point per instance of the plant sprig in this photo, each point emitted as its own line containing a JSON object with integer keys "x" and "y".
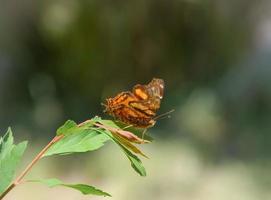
{"x": 70, "y": 138}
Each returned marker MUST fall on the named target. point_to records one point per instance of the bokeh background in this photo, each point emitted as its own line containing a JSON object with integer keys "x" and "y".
{"x": 60, "y": 59}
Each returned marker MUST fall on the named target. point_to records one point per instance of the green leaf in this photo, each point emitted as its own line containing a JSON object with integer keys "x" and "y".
{"x": 136, "y": 131}
{"x": 77, "y": 138}
{"x": 10, "y": 155}
{"x": 83, "y": 188}
{"x": 130, "y": 133}
{"x": 82, "y": 140}
{"x": 70, "y": 127}
{"x": 109, "y": 123}
{"x": 135, "y": 161}
{"x": 126, "y": 143}
{"x": 66, "y": 128}
{"x": 86, "y": 137}
{"x": 129, "y": 145}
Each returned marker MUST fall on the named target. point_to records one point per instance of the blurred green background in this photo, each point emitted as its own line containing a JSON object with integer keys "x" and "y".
{"x": 60, "y": 59}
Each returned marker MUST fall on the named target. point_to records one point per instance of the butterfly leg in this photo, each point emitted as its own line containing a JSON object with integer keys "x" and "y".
{"x": 143, "y": 134}
{"x": 125, "y": 127}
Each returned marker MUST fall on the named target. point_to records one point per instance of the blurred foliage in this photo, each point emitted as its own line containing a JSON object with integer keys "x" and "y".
{"x": 61, "y": 59}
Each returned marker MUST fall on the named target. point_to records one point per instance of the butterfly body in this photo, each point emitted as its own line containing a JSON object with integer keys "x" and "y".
{"x": 137, "y": 108}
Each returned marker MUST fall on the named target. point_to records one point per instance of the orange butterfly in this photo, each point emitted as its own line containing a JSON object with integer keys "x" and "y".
{"x": 137, "y": 108}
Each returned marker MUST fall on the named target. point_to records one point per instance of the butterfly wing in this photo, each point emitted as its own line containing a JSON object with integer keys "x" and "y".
{"x": 151, "y": 94}
{"x": 139, "y": 106}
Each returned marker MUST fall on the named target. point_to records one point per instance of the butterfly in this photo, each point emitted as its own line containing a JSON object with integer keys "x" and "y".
{"x": 137, "y": 107}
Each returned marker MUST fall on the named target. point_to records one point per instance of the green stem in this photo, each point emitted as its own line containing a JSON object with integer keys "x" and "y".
{"x": 30, "y": 165}
{"x": 33, "y": 162}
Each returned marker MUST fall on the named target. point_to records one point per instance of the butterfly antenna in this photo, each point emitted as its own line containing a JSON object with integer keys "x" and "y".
{"x": 164, "y": 115}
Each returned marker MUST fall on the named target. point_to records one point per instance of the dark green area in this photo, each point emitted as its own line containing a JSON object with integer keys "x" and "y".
{"x": 60, "y": 59}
